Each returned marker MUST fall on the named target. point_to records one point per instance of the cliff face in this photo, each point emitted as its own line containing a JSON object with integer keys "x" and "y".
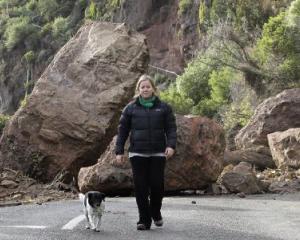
{"x": 13, "y": 78}
{"x": 172, "y": 38}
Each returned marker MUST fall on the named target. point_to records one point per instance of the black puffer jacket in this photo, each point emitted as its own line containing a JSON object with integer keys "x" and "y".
{"x": 151, "y": 129}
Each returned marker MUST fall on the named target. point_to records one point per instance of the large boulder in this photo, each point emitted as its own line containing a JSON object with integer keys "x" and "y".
{"x": 275, "y": 114}
{"x": 199, "y": 154}
{"x": 285, "y": 148}
{"x": 161, "y": 24}
{"x": 72, "y": 113}
{"x": 198, "y": 161}
{"x": 106, "y": 176}
{"x": 240, "y": 178}
{"x": 260, "y": 157}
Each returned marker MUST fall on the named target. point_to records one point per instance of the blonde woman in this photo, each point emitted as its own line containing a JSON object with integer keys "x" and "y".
{"x": 152, "y": 127}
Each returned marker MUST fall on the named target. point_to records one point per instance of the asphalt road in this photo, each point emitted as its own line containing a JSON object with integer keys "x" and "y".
{"x": 261, "y": 217}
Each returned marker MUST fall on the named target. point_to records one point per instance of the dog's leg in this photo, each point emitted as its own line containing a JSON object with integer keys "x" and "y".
{"x": 93, "y": 223}
{"x": 88, "y": 224}
{"x": 98, "y": 223}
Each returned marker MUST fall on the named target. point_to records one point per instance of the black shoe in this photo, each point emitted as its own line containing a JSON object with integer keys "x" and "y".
{"x": 159, "y": 223}
{"x": 142, "y": 226}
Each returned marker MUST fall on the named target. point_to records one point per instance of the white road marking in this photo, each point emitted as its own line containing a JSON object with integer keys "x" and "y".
{"x": 73, "y": 223}
{"x": 25, "y": 226}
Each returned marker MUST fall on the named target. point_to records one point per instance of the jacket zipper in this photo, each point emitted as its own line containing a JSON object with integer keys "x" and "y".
{"x": 149, "y": 129}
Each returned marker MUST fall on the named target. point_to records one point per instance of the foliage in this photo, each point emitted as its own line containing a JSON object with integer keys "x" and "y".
{"x": 179, "y": 103}
{"x": 219, "y": 83}
{"x": 218, "y": 11}
{"x": 278, "y": 50}
{"x": 91, "y": 11}
{"x": 3, "y": 120}
{"x": 294, "y": 14}
{"x": 194, "y": 81}
{"x": 238, "y": 113}
{"x": 203, "y": 14}
{"x": 29, "y": 57}
{"x": 60, "y": 27}
{"x": 101, "y": 10}
{"x": 114, "y": 3}
{"x": 4, "y": 4}
{"x": 47, "y": 8}
{"x": 184, "y": 5}
{"x": 275, "y": 37}
{"x": 24, "y": 102}
{"x": 31, "y": 5}
{"x": 17, "y": 29}
{"x": 161, "y": 79}
{"x": 244, "y": 14}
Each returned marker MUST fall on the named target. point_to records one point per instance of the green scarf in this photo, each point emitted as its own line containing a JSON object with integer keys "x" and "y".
{"x": 147, "y": 103}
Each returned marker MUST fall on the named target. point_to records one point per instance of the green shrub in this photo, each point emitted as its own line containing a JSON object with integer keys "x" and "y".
{"x": 114, "y": 3}
{"x": 31, "y": 5}
{"x": 244, "y": 14}
{"x": 47, "y": 28}
{"x": 276, "y": 38}
{"x": 293, "y": 14}
{"x": 242, "y": 104}
{"x": 206, "y": 107}
{"x": 278, "y": 50}
{"x": 60, "y": 27}
{"x": 161, "y": 79}
{"x": 29, "y": 57}
{"x": 3, "y": 120}
{"x": 4, "y": 4}
{"x": 180, "y": 104}
{"x": 48, "y": 9}
{"x": 194, "y": 81}
{"x": 219, "y": 10}
{"x": 204, "y": 20}
{"x": 24, "y": 102}
{"x": 184, "y": 5}
{"x": 238, "y": 113}
{"x": 219, "y": 82}
{"x": 17, "y": 29}
{"x": 91, "y": 11}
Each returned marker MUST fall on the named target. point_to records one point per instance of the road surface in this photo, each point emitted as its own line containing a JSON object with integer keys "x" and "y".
{"x": 261, "y": 217}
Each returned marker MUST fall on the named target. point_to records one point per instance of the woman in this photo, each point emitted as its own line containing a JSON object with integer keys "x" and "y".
{"x": 152, "y": 128}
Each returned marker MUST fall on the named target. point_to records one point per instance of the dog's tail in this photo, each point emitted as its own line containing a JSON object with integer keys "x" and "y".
{"x": 81, "y": 197}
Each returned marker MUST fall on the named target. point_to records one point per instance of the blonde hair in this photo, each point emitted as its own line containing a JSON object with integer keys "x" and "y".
{"x": 143, "y": 78}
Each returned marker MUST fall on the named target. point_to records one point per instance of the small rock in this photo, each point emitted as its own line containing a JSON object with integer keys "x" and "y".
{"x": 193, "y": 202}
{"x": 9, "y": 184}
{"x": 241, "y": 195}
{"x": 200, "y": 192}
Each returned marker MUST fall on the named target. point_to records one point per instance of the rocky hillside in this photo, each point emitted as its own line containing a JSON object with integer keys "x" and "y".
{"x": 33, "y": 31}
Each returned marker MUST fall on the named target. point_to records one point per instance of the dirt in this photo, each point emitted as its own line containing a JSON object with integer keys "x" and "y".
{"x": 16, "y": 189}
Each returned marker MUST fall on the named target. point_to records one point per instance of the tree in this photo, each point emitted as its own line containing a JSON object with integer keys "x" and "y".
{"x": 29, "y": 58}
{"x": 230, "y": 48}
{"x": 278, "y": 50}
{"x": 17, "y": 29}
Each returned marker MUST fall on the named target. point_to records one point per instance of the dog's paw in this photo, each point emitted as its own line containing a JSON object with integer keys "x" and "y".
{"x": 87, "y": 227}
{"x": 97, "y": 230}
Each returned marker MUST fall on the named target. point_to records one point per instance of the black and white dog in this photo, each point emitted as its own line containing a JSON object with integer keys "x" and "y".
{"x": 93, "y": 207}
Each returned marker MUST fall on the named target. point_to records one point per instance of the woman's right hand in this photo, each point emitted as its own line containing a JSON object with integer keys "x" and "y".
{"x": 119, "y": 160}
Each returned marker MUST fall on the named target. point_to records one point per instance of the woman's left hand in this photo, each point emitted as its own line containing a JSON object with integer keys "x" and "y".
{"x": 169, "y": 152}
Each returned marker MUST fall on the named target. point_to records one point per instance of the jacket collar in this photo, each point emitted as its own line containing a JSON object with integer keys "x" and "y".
{"x": 156, "y": 101}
